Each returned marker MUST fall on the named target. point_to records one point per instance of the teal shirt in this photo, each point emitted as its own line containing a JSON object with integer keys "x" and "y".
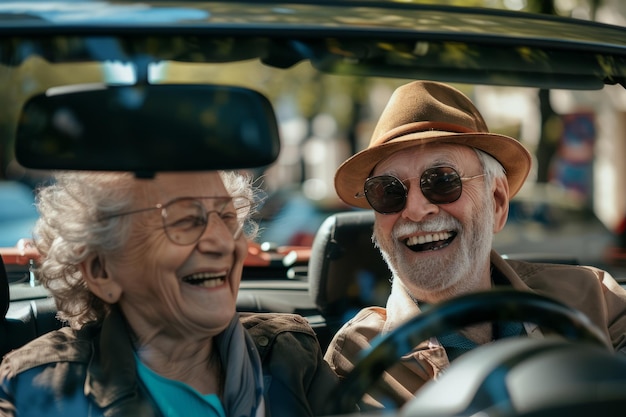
{"x": 175, "y": 398}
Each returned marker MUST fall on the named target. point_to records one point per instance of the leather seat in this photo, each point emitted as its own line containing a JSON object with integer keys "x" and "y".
{"x": 23, "y": 320}
{"x": 5, "y": 300}
{"x": 346, "y": 272}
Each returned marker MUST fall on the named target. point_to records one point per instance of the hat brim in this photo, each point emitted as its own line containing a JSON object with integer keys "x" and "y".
{"x": 513, "y": 156}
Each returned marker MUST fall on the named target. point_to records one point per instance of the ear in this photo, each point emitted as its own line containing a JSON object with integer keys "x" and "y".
{"x": 501, "y": 203}
{"x": 98, "y": 281}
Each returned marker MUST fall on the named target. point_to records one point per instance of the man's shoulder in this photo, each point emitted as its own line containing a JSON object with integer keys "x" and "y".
{"x": 363, "y": 327}
{"x": 373, "y": 318}
{"x": 353, "y": 337}
{"x": 529, "y": 270}
{"x": 61, "y": 345}
{"x": 565, "y": 282}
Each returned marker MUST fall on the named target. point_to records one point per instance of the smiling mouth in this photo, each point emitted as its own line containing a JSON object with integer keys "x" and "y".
{"x": 205, "y": 279}
{"x": 430, "y": 242}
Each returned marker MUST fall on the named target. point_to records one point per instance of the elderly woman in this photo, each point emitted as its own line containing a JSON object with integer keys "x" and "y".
{"x": 146, "y": 273}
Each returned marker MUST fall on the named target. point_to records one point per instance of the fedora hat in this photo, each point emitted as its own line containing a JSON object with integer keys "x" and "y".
{"x": 424, "y": 112}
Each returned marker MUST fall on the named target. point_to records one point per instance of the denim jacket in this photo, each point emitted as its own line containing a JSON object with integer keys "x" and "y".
{"x": 92, "y": 372}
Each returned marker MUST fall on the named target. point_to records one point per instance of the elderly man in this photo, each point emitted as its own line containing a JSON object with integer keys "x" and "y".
{"x": 440, "y": 184}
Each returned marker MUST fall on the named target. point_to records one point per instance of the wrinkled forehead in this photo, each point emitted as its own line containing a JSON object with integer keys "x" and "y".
{"x": 168, "y": 186}
{"x": 416, "y": 159}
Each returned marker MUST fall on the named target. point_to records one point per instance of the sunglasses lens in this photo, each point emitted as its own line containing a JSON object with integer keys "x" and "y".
{"x": 386, "y": 194}
{"x": 441, "y": 185}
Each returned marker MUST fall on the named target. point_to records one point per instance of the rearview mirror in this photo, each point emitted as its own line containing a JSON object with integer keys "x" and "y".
{"x": 147, "y": 128}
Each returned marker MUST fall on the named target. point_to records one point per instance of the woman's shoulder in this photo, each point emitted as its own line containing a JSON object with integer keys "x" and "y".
{"x": 275, "y": 323}
{"x": 63, "y": 345}
{"x": 289, "y": 334}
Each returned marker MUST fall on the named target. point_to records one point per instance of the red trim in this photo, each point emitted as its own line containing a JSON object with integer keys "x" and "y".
{"x": 24, "y": 251}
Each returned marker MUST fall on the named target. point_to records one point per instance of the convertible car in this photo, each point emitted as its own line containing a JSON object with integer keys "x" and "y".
{"x": 287, "y": 91}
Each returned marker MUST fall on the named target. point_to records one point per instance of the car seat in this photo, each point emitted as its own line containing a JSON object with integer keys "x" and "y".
{"x": 5, "y": 300}
{"x": 30, "y": 314}
{"x": 346, "y": 272}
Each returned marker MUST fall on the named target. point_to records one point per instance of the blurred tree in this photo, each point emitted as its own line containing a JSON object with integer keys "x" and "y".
{"x": 548, "y": 141}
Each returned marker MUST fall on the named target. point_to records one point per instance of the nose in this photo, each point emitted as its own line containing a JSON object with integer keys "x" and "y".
{"x": 417, "y": 206}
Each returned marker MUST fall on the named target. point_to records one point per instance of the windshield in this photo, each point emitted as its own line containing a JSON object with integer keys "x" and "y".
{"x": 327, "y": 93}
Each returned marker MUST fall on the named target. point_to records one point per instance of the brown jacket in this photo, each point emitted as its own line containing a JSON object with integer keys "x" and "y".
{"x": 590, "y": 290}
{"x": 92, "y": 372}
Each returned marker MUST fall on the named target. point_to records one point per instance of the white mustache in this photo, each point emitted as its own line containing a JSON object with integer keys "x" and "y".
{"x": 429, "y": 226}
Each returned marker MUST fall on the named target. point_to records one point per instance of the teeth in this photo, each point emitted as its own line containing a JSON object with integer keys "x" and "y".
{"x": 206, "y": 279}
{"x": 433, "y": 237}
{"x": 212, "y": 283}
{"x": 205, "y": 275}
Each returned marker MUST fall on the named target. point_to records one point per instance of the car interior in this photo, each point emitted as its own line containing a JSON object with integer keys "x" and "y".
{"x": 226, "y": 65}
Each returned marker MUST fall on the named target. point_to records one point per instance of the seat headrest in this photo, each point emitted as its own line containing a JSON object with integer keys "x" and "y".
{"x": 5, "y": 299}
{"x": 346, "y": 272}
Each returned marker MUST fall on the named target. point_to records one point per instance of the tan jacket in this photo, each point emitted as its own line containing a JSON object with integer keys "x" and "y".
{"x": 590, "y": 290}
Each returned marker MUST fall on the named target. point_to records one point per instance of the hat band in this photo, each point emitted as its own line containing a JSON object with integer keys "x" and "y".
{"x": 424, "y": 126}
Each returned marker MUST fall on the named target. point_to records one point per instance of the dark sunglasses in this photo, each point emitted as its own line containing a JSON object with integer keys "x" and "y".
{"x": 440, "y": 185}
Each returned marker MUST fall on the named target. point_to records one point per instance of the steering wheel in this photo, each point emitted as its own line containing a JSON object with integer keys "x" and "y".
{"x": 466, "y": 310}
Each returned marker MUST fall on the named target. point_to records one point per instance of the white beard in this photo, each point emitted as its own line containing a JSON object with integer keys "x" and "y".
{"x": 447, "y": 275}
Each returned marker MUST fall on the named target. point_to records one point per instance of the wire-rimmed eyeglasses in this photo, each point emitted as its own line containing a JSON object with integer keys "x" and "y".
{"x": 185, "y": 219}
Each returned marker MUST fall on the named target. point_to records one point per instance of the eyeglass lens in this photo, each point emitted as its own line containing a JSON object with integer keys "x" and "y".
{"x": 387, "y": 194}
{"x": 186, "y": 219}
